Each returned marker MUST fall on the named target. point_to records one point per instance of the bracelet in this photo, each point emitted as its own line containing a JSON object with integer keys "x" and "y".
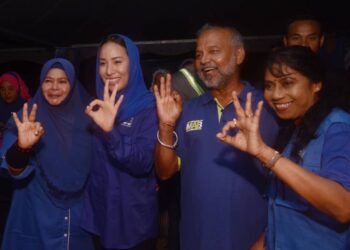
{"x": 167, "y": 145}
{"x": 273, "y": 160}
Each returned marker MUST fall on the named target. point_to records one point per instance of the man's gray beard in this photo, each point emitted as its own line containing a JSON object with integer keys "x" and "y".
{"x": 223, "y": 78}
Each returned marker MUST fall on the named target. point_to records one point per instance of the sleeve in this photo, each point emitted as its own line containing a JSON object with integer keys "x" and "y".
{"x": 133, "y": 150}
{"x": 336, "y": 154}
{"x": 9, "y": 139}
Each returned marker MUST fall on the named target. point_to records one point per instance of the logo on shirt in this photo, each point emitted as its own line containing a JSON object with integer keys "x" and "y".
{"x": 194, "y": 125}
{"x": 128, "y": 123}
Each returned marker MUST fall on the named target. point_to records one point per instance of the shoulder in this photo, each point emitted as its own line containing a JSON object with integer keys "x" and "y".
{"x": 337, "y": 117}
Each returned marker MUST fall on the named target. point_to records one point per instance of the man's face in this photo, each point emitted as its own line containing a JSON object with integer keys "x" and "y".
{"x": 216, "y": 57}
{"x": 306, "y": 33}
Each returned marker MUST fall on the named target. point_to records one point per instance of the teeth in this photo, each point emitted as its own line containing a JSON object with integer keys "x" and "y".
{"x": 283, "y": 106}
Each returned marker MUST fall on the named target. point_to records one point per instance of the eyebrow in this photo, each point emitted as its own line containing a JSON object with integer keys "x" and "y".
{"x": 116, "y": 57}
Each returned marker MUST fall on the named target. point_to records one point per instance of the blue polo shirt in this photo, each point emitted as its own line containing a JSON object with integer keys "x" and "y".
{"x": 222, "y": 203}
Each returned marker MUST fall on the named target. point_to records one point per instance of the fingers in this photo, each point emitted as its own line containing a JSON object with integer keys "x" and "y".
{"x": 114, "y": 93}
{"x": 117, "y": 104}
{"x": 89, "y": 108}
{"x": 32, "y": 114}
{"x": 162, "y": 88}
{"x": 248, "y": 105}
{"x": 39, "y": 130}
{"x": 25, "y": 113}
{"x": 223, "y": 135}
{"x": 228, "y": 126}
{"x": 238, "y": 108}
{"x": 177, "y": 97}
{"x": 15, "y": 118}
{"x": 156, "y": 92}
{"x": 259, "y": 110}
{"x": 168, "y": 88}
{"x": 105, "y": 90}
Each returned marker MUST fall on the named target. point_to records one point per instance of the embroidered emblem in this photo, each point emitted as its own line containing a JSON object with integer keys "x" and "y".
{"x": 128, "y": 123}
{"x": 194, "y": 125}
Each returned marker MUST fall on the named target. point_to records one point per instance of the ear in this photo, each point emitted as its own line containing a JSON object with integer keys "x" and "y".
{"x": 240, "y": 55}
{"x": 321, "y": 40}
{"x": 317, "y": 86}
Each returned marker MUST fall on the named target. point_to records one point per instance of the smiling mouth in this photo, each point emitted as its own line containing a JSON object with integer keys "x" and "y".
{"x": 282, "y": 106}
{"x": 113, "y": 81}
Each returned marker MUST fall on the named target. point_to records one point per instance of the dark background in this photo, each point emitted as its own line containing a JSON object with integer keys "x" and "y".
{"x": 32, "y": 31}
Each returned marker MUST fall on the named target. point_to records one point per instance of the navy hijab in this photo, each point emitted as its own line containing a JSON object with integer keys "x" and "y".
{"x": 63, "y": 152}
{"x": 136, "y": 96}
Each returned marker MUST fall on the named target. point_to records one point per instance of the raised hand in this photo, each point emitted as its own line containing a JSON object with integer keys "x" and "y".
{"x": 169, "y": 103}
{"x": 29, "y": 131}
{"x": 107, "y": 109}
{"x": 248, "y": 136}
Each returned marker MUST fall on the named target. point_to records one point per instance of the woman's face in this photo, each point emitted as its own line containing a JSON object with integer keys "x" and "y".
{"x": 55, "y": 86}
{"x": 114, "y": 65}
{"x": 292, "y": 94}
{"x": 8, "y": 92}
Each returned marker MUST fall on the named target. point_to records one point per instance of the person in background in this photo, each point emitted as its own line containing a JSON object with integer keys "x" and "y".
{"x": 186, "y": 81}
{"x": 304, "y": 31}
{"x": 14, "y": 93}
{"x": 309, "y": 198}
{"x": 222, "y": 204}
{"x": 121, "y": 205}
{"x": 47, "y": 148}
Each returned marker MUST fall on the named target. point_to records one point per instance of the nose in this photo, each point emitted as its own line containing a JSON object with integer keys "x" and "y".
{"x": 109, "y": 69}
{"x": 277, "y": 93}
{"x": 304, "y": 42}
{"x": 54, "y": 85}
{"x": 203, "y": 59}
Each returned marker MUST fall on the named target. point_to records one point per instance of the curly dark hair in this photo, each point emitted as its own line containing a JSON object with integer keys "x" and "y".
{"x": 332, "y": 94}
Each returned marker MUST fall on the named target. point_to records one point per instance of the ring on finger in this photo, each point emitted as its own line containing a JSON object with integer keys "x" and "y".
{"x": 36, "y": 133}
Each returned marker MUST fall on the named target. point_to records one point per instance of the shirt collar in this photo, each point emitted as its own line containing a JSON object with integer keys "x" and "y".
{"x": 247, "y": 87}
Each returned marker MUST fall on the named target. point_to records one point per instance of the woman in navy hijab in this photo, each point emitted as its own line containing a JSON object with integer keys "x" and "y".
{"x": 47, "y": 149}
{"x": 121, "y": 202}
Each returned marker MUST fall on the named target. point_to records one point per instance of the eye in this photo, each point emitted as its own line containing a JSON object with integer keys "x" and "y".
{"x": 117, "y": 61}
{"x": 313, "y": 38}
{"x": 287, "y": 82}
{"x": 63, "y": 81}
{"x": 214, "y": 51}
{"x": 102, "y": 63}
{"x": 268, "y": 86}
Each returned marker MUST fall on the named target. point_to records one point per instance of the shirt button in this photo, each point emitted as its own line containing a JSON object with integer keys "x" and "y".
{"x": 66, "y": 218}
{"x": 65, "y": 235}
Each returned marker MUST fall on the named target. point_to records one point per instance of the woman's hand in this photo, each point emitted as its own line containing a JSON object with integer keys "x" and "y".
{"x": 107, "y": 109}
{"x": 248, "y": 136}
{"x": 29, "y": 131}
{"x": 169, "y": 103}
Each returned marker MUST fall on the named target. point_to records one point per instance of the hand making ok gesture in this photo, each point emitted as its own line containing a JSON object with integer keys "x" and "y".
{"x": 169, "y": 102}
{"x": 29, "y": 130}
{"x": 107, "y": 109}
{"x": 247, "y": 138}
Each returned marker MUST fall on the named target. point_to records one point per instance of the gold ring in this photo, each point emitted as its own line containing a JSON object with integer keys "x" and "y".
{"x": 36, "y": 133}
